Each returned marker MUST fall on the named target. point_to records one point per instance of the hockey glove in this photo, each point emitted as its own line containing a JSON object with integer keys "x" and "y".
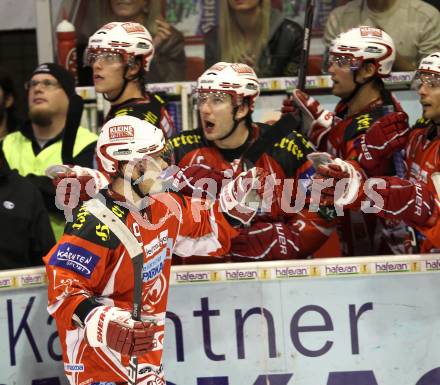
{"x": 114, "y": 328}
{"x": 263, "y": 242}
{"x": 250, "y": 190}
{"x": 75, "y": 183}
{"x": 289, "y": 106}
{"x": 402, "y": 199}
{"x": 335, "y": 182}
{"x": 195, "y": 180}
{"x": 317, "y": 122}
{"x": 385, "y": 136}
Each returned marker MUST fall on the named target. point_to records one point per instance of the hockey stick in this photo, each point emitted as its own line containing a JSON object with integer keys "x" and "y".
{"x": 134, "y": 249}
{"x": 73, "y": 120}
{"x": 303, "y": 62}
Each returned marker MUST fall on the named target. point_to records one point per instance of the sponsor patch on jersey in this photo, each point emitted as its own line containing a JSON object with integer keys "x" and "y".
{"x": 153, "y": 267}
{"x": 74, "y": 258}
{"x": 74, "y": 367}
{"x": 121, "y": 131}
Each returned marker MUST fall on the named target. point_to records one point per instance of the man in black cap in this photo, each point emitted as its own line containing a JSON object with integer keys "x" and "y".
{"x": 37, "y": 145}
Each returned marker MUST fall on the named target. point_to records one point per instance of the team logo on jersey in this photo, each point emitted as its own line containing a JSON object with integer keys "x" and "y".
{"x": 74, "y": 258}
{"x": 103, "y": 232}
{"x": 74, "y": 367}
{"x": 363, "y": 121}
{"x": 8, "y": 205}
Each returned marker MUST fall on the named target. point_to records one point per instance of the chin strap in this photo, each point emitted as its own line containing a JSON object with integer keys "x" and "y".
{"x": 357, "y": 88}
{"x": 124, "y": 86}
{"x": 234, "y": 125}
{"x": 134, "y": 186}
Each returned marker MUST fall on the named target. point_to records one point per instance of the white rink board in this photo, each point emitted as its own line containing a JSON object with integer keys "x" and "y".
{"x": 352, "y": 321}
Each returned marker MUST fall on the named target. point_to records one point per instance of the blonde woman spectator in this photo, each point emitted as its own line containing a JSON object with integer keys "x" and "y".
{"x": 412, "y": 24}
{"x": 250, "y": 32}
{"x": 169, "y": 58}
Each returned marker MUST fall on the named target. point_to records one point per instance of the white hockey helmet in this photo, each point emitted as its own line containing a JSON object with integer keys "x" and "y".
{"x": 126, "y": 138}
{"x": 428, "y": 71}
{"x": 430, "y": 65}
{"x": 237, "y": 79}
{"x": 128, "y": 39}
{"x": 366, "y": 44}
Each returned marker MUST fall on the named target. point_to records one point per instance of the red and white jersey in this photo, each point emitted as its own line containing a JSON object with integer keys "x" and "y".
{"x": 422, "y": 156}
{"x": 281, "y": 151}
{"x": 360, "y": 233}
{"x": 89, "y": 261}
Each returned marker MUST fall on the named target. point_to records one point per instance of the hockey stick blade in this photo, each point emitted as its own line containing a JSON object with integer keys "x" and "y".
{"x": 73, "y": 119}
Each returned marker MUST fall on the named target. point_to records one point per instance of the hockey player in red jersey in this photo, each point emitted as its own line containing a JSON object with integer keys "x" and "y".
{"x": 228, "y": 141}
{"x": 90, "y": 272}
{"x": 367, "y": 127}
{"x": 120, "y": 54}
{"x": 416, "y": 199}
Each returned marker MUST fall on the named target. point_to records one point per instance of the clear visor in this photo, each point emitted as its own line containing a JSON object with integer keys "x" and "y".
{"x": 108, "y": 56}
{"x": 213, "y": 98}
{"x": 344, "y": 61}
{"x": 426, "y": 78}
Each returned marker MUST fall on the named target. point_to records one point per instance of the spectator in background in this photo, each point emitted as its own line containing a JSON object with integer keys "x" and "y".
{"x": 8, "y": 119}
{"x": 169, "y": 59}
{"x": 250, "y": 32}
{"x": 26, "y": 233}
{"x": 37, "y": 145}
{"x": 412, "y": 24}
{"x": 24, "y": 221}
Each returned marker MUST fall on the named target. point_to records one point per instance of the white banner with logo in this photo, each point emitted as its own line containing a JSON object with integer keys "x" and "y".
{"x": 353, "y": 321}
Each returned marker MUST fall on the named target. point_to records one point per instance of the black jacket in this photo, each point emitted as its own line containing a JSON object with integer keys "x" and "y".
{"x": 281, "y": 55}
{"x": 25, "y": 232}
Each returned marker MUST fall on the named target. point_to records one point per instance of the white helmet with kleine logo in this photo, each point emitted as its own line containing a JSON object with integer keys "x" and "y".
{"x": 126, "y": 138}
{"x": 128, "y": 39}
{"x": 237, "y": 79}
{"x": 366, "y": 44}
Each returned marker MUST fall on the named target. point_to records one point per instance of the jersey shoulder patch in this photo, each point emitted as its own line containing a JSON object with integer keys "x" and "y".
{"x": 185, "y": 142}
{"x": 361, "y": 122}
{"x": 422, "y": 123}
{"x": 285, "y": 145}
{"x": 148, "y": 109}
{"x": 88, "y": 227}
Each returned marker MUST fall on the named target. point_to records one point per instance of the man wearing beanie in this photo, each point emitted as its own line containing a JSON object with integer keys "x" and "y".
{"x": 37, "y": 145}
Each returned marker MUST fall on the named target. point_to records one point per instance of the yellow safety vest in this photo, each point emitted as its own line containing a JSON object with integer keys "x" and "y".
{"x": 20, "y": 156}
